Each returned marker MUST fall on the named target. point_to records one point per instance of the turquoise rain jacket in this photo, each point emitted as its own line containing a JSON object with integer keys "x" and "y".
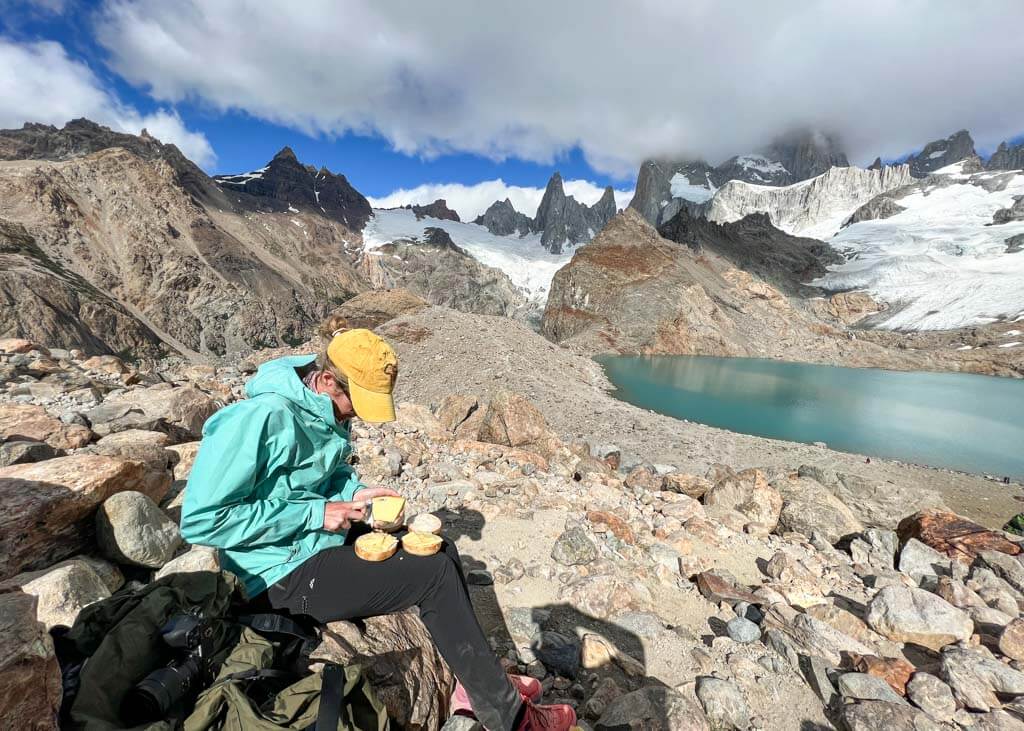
{"x": 264, "y": 472}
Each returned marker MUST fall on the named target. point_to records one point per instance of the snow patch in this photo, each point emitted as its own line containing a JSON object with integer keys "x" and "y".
{"x": 1014, "y": 344}
{"x": 966, "y": 347}
{"x": 681, "y": 187}
{"x": 936, "y": 154}
{"x": 523, "y": 259}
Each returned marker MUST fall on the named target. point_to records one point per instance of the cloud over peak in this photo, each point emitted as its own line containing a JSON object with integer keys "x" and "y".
{"x": 470, "y": 201}
{"x": 533, "y": 79}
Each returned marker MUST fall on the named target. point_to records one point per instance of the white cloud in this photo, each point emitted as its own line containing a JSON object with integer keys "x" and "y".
{"x": 52, "y": 88}
{"x": 536, "y": 78}
{"x": 469, "y": 201}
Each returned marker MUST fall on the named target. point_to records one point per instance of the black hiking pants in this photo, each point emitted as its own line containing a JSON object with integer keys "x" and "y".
{"x": 336, "y": 584}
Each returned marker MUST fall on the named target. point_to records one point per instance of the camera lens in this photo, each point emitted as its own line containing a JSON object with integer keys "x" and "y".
{"x": 159, "y": 692}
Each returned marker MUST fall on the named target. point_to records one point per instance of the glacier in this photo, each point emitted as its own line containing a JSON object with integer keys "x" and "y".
{"x": 526, "y": 262}
{"x": 941, "y": 263}
{"x": 817, "y": 207}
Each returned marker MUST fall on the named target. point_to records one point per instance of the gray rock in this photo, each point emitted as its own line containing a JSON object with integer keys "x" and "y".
{"x": 574, "y": 548}
{"x": 61, "y": 591}
{"x": 23, "y": 451}
{"x": 996, "y": 720}
{"x": 1006, "y": 157}
{"x": 879, "y": 715}
{"x": 905, "y": 614}
{"x": 198, "y": 558}
{"x": 932, "y": 696}
{"x": 743, "y": 630}
{"x": 560, "y": 653}
{"x": 1006, "y": 567}
{"x": 653, "y": 708}
{"x": 817, "y": 673}
{"x": 809, "y": 507}
{"x": 131, "y": 529}
{"x": 861, "y": 686}
{"x": 920, "y": 561}
{"x": 874, "y": 503}
{"x": 976, "y": 677}
{"x": 525, "y": 623}
{"x": 723, "y": 703}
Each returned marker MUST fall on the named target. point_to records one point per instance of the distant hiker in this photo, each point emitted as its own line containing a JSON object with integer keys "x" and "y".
{"x": 867, "y": 460}
{"x": 272, "y": 489}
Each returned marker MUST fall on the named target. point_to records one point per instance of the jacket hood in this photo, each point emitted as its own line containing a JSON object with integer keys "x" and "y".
{"x": 279, "y": 377}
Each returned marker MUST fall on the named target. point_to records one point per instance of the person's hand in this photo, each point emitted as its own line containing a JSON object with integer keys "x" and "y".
{"x": 369, "y": 493}
{"x": 339, "y": 516}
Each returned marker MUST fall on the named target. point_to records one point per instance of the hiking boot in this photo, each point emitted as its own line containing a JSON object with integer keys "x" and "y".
{"x": 546, "y": 718}
{"x": 529, "y": 689}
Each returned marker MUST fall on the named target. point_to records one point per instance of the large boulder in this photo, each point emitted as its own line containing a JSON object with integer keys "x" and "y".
{"x": 401, "y": 663}
{"x": 748, "y": 493}
{"x": 30, "y": 681}
{"x": 953, "y": 535}
{"x": 978, "y": 679}
{"x": 49, "y": 506}
{"x": 186, "y": 452}
{"x": 513, "y": 421}
{"x": 808, "y": 508}
{"x": 25, "y": 422}
{"x": 62, "y": 591}
{"x": 905, "y": 614}
{"x": 877, "y": 715}
{"x": 142, "y": 446}
{"x": 179, "y": 411}
{"x": 131, "y": 529}
{"x": 876, "y": 504}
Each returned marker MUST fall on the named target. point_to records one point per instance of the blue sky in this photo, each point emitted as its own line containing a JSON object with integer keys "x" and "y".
{"x": 397, "y": 95}
{"x": 243, "y": 142}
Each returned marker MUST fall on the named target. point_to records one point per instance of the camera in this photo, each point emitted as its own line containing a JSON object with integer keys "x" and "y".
{"x": 191, "y": 637}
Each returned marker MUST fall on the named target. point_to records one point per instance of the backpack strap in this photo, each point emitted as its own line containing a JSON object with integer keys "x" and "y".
{"x": 276, "y": 624}
{"x": 331, "y": 685}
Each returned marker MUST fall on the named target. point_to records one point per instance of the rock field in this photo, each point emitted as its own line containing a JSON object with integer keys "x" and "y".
{"x": 655, "y": 574}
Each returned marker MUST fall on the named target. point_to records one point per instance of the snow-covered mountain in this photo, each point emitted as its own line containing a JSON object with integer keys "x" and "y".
{"x": 526, "y": 262}
{"x": 940, "y": 261}
{"x": 817, "y": 207}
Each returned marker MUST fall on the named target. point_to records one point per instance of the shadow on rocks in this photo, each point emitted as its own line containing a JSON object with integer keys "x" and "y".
{"x": 606, "y": 681}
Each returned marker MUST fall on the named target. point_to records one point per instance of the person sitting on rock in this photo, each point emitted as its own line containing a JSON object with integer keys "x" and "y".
{"x": 271, "y": 488}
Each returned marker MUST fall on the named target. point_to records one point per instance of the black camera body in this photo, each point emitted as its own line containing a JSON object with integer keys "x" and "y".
{"x": 191, "y": 637}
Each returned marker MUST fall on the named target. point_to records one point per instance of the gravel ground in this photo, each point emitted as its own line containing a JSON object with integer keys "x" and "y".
{"x": 444, "y": 352}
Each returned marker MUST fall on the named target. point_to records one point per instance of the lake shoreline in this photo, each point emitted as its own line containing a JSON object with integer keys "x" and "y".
{"x": 456, "y": 352}
{"x": 967, "y": 423}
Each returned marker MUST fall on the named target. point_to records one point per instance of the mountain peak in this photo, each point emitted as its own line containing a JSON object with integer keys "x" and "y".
{"x": 285, "y": 154}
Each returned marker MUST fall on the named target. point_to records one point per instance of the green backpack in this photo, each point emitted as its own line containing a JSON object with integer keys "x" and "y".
{"x": 179, "y": 653}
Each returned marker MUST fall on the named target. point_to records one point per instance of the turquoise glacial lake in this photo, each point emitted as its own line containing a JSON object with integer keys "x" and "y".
{"x": 955, "y": 420}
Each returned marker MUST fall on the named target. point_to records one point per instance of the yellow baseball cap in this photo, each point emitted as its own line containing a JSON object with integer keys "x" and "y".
{"x": 371, "y": 367}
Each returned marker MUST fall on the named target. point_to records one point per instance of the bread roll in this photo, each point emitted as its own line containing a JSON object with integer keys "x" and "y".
{"x": 421, "y": 544}
{"x": 376, "y": 546}
{"x": 425, "y": 523}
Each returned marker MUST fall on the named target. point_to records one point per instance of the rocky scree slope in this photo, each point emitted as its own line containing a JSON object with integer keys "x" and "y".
{"x": 630, "y": 291}
{"x": 442, "y": 273}
{"x": 207, "y": 273}
{"x": 647, "y": 596}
